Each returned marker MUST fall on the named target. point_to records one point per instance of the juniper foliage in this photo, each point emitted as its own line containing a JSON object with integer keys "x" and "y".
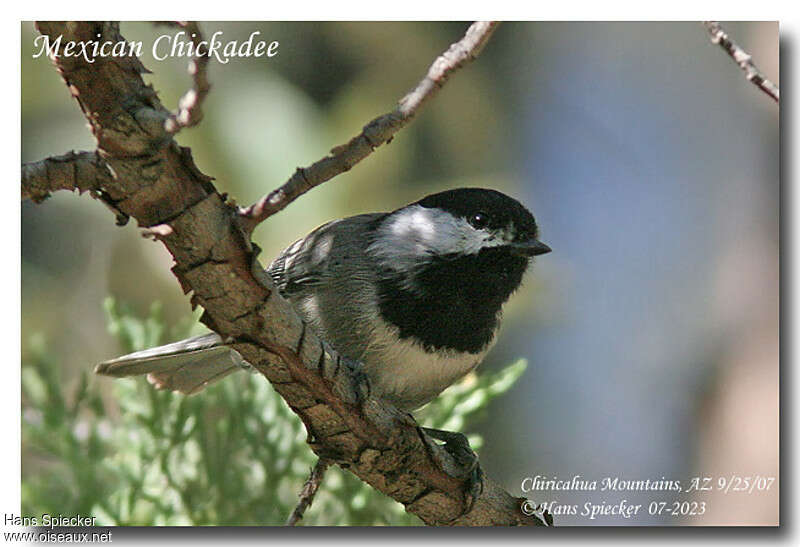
{"x": 233, "y": 455}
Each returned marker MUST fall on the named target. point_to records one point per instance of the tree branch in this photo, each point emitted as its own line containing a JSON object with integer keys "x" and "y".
{"x": 377, "y": 132}
{"x": 156, "y": 182}
{"x": 309, "y": 491}
{"x": 82, "y": 171}
{"x": 742, "y": 58}
{"x": 190, "y": 105}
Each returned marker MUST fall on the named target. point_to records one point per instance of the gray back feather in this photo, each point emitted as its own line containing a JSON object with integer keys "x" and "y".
{"x": 324, "y": 277}
{"x": 330, "y": 280}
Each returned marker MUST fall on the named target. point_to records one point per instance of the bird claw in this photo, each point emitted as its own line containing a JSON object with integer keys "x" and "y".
{"x": 356, "y": 387}
{"x": 469, "y": 469}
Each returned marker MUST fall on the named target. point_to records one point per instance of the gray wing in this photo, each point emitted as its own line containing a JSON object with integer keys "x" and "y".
{"x": 323, "y": 266}
{"x": 316, "y": 260}
{"x": 330, "y": 280}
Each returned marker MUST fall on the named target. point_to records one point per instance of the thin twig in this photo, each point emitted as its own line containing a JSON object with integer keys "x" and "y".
{"x": 190, "y": 105}
{"x": 309, "y": 491}
{"x": 742, "y": 58}
{"x": 377, "y": 132}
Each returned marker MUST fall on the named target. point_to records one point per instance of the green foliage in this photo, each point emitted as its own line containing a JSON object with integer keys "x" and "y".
{"x": 233, "y": 455}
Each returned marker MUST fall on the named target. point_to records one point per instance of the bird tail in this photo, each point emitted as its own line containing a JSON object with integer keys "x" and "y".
{"x": 187, "y": 366}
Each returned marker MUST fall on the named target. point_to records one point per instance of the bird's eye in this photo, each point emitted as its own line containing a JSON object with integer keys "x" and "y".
{"x": 479, "y": 220}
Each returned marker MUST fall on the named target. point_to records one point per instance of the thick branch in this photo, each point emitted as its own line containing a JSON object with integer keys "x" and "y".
{"x": 377, "y": 132}
{"x": 156, "y": 181}
{"x": 742, "y": 58}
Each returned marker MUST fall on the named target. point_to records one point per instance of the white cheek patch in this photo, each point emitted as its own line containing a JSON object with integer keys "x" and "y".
{"x": 418, "y": 233}
{"x": 415, "y": 229}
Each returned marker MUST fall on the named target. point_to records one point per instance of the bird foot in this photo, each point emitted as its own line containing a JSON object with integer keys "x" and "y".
{"x": 469, "y": 469}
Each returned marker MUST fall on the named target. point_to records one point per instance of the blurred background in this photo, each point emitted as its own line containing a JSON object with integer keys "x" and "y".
{"x": 650, "y": 163}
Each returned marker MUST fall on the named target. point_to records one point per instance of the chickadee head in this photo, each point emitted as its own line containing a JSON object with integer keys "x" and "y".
{"x": 453, "y": 224}
{"x": 448, "y": 263}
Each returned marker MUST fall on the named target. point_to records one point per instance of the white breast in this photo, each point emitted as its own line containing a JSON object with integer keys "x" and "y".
{"x": 407, "y": 375}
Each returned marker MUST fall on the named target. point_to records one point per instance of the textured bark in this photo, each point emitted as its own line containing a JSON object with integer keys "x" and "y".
{"x": 141, "y": 171}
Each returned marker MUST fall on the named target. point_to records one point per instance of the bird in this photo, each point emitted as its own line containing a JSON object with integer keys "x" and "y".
{"x": 415, "y": 295}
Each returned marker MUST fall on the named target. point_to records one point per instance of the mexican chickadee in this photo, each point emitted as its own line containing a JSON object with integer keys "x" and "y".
{"x": 415, "y": 295}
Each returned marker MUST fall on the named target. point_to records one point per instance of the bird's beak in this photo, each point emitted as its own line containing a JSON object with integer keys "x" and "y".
{"x": 532, "y": 247}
